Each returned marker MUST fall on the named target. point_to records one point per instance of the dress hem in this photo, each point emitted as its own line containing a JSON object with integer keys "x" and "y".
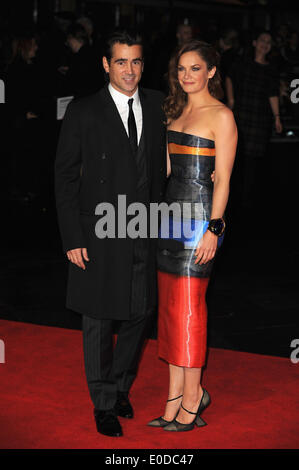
{"x": 181, "y": 365}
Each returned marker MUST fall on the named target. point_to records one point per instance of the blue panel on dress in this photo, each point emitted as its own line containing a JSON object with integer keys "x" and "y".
{"x": 188, "y": 232}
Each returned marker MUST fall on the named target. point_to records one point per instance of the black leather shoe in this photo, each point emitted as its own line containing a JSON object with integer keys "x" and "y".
{"x": 107, "y": 423}
{"x": 123, "y": 406}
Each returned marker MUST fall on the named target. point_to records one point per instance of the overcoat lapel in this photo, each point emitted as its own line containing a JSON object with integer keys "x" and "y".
{"x": 147, "y": 129}
{"x": 114, "y": 128}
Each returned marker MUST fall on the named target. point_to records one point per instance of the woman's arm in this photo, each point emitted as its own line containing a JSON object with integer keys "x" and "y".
{"x": 226, "y": 137}
{"x": 229, "y": 92}
{"x": 274, "y": 103}
{"x": 168, "y": 162}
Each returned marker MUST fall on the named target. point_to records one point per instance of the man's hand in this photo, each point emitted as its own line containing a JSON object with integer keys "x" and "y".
{"x": 213, "y": 176}
{"x": 75, "y": 256}
{"x": 63, "y": 69}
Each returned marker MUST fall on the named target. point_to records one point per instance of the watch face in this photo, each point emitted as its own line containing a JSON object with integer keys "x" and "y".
{"x": 218, "y": 226}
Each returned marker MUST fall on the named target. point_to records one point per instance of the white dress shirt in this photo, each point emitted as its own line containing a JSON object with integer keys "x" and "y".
{"x": 121, "y": 102}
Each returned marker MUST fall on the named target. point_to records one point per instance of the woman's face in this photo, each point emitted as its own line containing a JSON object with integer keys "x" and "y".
{"x": 263, "y": 44}
{"x": 193, "y": 74}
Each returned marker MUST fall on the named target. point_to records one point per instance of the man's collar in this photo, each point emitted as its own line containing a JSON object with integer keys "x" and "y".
{"x": 121, "y": 98}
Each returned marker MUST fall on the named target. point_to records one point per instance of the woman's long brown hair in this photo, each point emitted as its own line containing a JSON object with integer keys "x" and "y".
{"x": 177, "y": 98}
{"x": 21, "y": 47}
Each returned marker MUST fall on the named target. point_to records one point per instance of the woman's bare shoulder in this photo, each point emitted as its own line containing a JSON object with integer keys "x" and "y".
{"x": 224, "y": 123}
{"x": 223, "y": 112}
{"x": 222, "y": 115}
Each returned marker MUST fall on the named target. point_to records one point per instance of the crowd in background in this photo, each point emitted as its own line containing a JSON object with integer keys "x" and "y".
{"x": 38, "y": 67}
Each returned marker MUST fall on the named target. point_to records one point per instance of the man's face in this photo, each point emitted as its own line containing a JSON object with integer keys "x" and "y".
{"x": 73, "y": 44}
{"x": 125, "y": 68}
{"x": 184, "y": 34}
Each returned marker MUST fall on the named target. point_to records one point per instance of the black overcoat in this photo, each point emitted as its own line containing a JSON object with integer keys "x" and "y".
{"x": 94, "y": 164}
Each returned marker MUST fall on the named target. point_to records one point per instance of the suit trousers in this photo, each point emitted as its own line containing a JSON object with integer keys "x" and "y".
{"x": 111, "y": 369}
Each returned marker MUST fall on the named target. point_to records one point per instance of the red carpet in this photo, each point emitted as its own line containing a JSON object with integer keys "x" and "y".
{"x": 44, "y": 400}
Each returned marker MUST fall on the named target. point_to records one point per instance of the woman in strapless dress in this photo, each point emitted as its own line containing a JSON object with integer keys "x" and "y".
{"x": 202, "y": 137}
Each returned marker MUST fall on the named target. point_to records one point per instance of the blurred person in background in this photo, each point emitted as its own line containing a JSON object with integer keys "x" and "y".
{"x": 83, "y": 75}
{"x": 290, "y": 51}
{"x": 281, "y": 35}
{"x": 25, "y": 98}
{"x": 95, "y": 38}
{"x": 252, "y": 87}
{"x": 162, "y": 55}
{"x": 228, "y": 47}
{"x": 184, "y": 33}
{"x": 88, "y": 26}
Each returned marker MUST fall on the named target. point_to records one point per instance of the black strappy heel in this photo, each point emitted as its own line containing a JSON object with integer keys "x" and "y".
{"x": 160, "y": 422}
{"x": 177, "y": 426}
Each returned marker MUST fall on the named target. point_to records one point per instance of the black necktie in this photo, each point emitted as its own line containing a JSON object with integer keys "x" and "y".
{"x": 132, "y": 127}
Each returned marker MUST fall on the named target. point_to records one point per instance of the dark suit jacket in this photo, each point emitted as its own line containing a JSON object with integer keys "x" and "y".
{"x": 94, "y": 164}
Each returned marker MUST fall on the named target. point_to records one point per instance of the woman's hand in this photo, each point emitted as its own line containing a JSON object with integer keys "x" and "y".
{"x": 30, "y": 115}
{"x": 206, "y": 248}
{"x": 278, "y": 125}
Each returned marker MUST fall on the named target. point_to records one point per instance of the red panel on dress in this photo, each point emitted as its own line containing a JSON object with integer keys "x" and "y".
{"x": 182, "y": 321}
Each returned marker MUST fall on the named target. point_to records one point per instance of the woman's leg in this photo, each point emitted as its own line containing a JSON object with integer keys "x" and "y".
{"x": 176, "y": 387}
{"x": 192, "y": 394}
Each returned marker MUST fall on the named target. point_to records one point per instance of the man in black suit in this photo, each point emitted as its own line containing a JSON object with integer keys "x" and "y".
{"x": 111, "y": 145}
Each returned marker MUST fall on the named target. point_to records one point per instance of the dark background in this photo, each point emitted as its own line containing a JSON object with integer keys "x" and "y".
{"x": 253, "y": 293}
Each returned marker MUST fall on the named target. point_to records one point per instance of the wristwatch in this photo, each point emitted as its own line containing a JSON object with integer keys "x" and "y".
{"x": 217, "y": 226}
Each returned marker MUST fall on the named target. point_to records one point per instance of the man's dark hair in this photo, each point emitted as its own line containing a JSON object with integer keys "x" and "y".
{"x": 121, "y": 37}
{"x": 77, "y": 31}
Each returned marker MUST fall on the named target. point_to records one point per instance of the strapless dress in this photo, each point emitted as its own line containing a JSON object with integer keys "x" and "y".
{"x": 182, "y": 285}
